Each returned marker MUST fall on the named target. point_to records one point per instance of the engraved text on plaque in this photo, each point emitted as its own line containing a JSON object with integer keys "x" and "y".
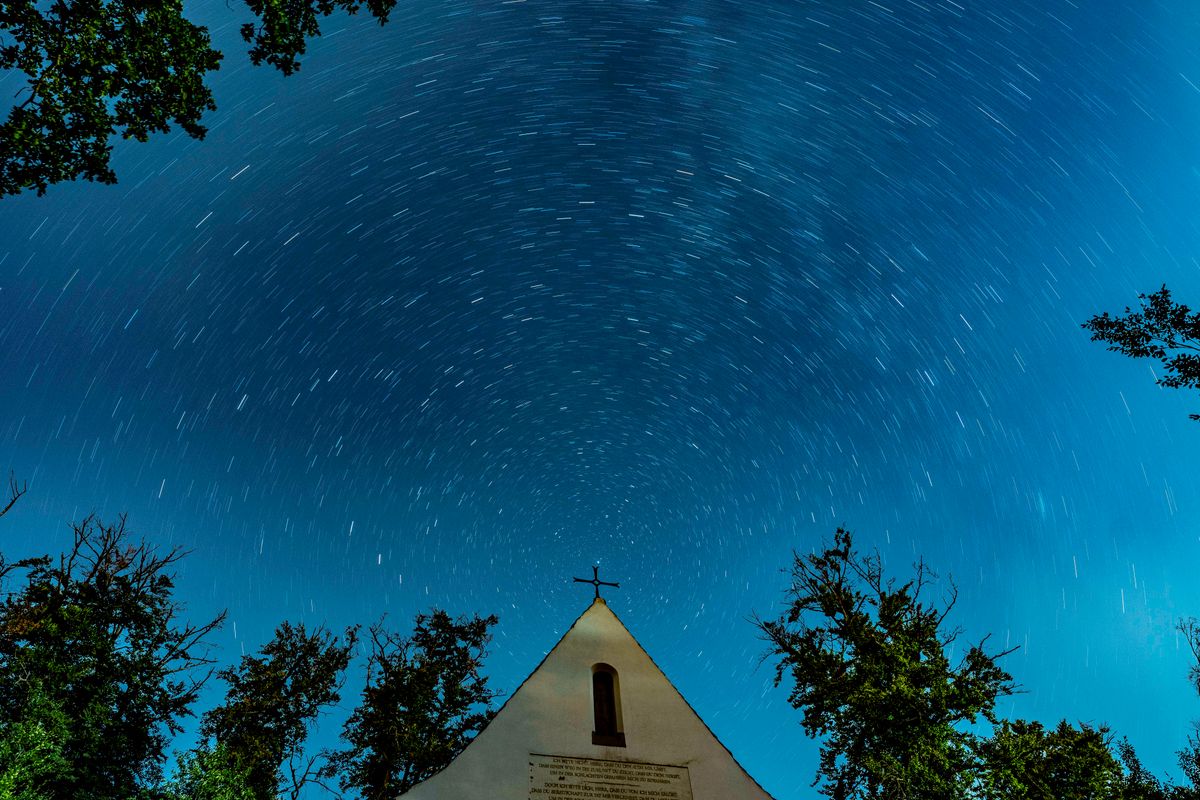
{"x": 566, "y": 778}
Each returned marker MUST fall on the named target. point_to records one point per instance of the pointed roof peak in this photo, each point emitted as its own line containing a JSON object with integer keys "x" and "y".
{"x": 551, "y": 720}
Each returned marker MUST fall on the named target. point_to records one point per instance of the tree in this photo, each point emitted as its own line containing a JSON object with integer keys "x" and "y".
{"x": 208, "y": 773}
{"x": 95, "y": 639}
{"x": 1138, "y": 783}
{"x": 99, "y": 68}
{"x": 274, "y": 698}
{"x": 1189, "y": 762}
{"x": 423, "y": 702}
{"x": 15, "y": 493}
{"x": 1162, "y": 329}
{"x": 31, "y": 748}
{"x": 286, "y": 25}
{"x": 1024, "y": 761}
{"x": 871, "y": 671}
{"x": 1189, "y": 757}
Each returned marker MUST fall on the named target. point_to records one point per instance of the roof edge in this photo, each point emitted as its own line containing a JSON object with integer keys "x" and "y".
{"x": 600, "y": 601}
{"x": 533, "y": 672}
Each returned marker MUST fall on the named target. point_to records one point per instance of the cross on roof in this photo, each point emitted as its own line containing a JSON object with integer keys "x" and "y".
{"x": 596, "y": 582}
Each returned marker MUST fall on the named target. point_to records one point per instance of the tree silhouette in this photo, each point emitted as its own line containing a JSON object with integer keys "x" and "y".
{"x": 285, "y": 26}
{"x": 32, "y": 745}
{"x": 96, "y": 669}
{"x": 207, "y": 773}
{"x": 423, "y": 702}
{"x": 1162, "y": 329}
{"x": 130, "y": 68}
{"x": 870, "y": 666}
{"x": 273, "y": 700}
{"x": 1189, "y": 757}
{"x": 15, "y": 493}
{"x": 95, "y": 69}
{"x": 1025, "y": 761}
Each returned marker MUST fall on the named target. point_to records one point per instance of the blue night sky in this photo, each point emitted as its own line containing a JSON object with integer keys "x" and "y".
{"x": 505, "y": 289}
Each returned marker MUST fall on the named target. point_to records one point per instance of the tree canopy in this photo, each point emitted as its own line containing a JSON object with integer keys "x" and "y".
{"x": 208, "y": 773}
{"x": 97, "y": 670}
{"x": 1025, "y": 761}
{"x": 32, "y": 744}
{"x": 1161, "y": 329}
{"x": 96, "y": 667}
{"x": 96, "y": 69}
{"x": 870, "y": 668}
{"x": 285, "y": 26}
{"x": 1189, "y": 757}
{"x": 424, "y": 700}
{"x": 273, "y": 700}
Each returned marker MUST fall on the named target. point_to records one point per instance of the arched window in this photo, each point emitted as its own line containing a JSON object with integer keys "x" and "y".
{"x": 606, "y": 705}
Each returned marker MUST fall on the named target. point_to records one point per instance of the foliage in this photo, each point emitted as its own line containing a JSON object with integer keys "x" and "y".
{"x": 273, "y": 700}
{"x": 1189, "y": 762}
{"x": 1189, "y": 628}
{"x": 870, "y": 669}
{"x": 423, "y": 702}
{"x": 1189, "y": 757}
{"x": 99, "y": 68}
{"x": 1024, "y": 761}
{"x": 285, "y": 25}
{"x": 1138, "y": 783}
{"x": 1162, "y": 329}
{"x": 96, "y": 68}
{"x": 208, "y": 773}
{"x": 96, "y": 637}
{"x": 31, "y": 748}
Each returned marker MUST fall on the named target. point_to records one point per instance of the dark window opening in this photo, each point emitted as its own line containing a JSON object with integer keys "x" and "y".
{"x": 606, "y": 705}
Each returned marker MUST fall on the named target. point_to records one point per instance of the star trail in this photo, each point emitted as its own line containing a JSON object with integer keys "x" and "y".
{"x": 503, "y": 290}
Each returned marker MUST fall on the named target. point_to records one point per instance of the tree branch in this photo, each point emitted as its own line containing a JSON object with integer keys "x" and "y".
{"x": 15, "y": 493}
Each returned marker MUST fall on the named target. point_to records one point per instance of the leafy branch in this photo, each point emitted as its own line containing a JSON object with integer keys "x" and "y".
{"x": 1161, "y": 329}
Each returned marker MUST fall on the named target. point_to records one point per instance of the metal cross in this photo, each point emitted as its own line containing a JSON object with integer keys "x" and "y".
{"x": 596, "y": 582}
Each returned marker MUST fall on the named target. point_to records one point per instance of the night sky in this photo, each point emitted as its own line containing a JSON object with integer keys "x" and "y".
{"x": 506, "y": 289}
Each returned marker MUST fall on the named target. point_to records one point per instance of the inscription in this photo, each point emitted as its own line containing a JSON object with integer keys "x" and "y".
{"x": 567, "y": 778}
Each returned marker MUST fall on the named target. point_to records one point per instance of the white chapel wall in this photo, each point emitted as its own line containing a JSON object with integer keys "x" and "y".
{"x": 552, "y": 715}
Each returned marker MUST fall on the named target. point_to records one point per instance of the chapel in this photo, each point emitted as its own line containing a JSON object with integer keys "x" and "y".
{"x": 597, "y": 720}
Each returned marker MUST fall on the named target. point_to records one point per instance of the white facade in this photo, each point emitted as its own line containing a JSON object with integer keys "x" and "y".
{"x": 540, "y": 745}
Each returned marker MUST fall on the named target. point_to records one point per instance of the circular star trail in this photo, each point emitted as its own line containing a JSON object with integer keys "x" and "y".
{"x": 502, "y": 290}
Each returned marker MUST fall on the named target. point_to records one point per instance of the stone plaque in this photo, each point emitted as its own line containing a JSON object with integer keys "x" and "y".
{"x": 567, "y": 778}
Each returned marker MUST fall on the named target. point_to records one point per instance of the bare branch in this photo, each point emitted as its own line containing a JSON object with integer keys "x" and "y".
{"x": 1190, "y": 628}
{"x": 15, "y": 493}
{"x": 300, "y": 778}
